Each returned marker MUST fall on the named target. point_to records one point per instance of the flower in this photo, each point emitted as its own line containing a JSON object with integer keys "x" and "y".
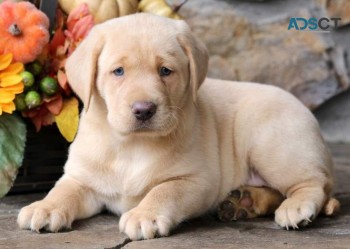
{"x": 65, "y": 41}
{"x": 10, "y": 82}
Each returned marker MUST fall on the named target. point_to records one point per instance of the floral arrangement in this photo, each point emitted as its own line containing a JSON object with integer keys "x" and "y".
{"x": 33, "y": 83}
{"x": 37, "y": 86}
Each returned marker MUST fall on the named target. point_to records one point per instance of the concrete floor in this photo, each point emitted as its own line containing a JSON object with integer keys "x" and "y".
{"x": 206, "y": 232}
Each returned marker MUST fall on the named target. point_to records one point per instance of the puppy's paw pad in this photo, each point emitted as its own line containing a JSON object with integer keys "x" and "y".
{"x": 138, "y": 224}
{"x": 238, "y": 205}
{"x": 294, "y": 213}
{"x": 41, "y": 215}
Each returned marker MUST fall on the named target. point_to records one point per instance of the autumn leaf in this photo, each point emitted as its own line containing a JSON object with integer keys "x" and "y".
{"x": 68, "y": 119}
{"x": 40, "y": 117}
{"x": 57, "y": 40}
{"x": 62, "y": 79}
{"x": 54, "y": 105}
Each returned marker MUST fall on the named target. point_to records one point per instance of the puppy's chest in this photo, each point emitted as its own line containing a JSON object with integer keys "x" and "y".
{"x": 129, "y": 173}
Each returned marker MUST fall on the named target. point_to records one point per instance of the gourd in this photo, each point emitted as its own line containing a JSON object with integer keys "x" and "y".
{"x": 23, "y": 30}
{"x": 102, "y": 10}
{"x": 161, "y": 8}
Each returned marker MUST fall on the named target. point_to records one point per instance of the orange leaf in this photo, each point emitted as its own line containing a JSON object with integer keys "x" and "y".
{"x": 62, "y": 79}
{"x": 62, "y": 63}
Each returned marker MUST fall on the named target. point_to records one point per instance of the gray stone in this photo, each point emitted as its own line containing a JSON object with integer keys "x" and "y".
{"x": 334, "y": 119}
{"x": 249, "y": 41}
{"x": 341, "y": 38}
{"x": 97, "y": 232}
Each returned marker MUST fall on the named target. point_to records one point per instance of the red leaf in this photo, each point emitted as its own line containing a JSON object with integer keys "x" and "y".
{"x": 43, "y": 117}
{"x": 55, "y": 106}
{"x": 30, "y": 113}
{"x": 57, "y": 40}
{"x": 40, "y": 116}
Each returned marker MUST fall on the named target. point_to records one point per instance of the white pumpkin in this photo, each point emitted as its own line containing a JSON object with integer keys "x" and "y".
{"x": 103, "y": 10}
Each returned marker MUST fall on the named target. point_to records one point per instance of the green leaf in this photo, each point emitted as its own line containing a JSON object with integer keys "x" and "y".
{"x": 12, "y": 143}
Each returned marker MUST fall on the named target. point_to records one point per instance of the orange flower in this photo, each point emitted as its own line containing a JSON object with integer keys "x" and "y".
{"x": 10, "y": 82}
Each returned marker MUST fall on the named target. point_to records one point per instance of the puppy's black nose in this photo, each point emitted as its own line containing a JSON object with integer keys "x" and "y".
{"x": 144, "y": 110}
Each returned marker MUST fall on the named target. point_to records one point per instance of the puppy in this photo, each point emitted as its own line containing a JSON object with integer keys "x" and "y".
{"x": 159, "y": 143}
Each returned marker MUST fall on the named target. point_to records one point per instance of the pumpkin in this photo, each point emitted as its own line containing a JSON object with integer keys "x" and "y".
{"x": 161, "y": 8}
{"x": 102, "y": 10}
{"x": 23, "y": 30}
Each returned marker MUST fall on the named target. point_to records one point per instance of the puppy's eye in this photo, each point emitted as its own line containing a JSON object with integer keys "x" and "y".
{"x": 165, "y": 71}
{"x": 119, "y": 71}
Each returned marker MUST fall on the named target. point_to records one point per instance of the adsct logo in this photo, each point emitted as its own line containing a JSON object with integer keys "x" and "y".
{"x": 322, "y": 24}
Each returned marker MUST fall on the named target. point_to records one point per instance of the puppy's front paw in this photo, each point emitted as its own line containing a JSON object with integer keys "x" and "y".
{"x": 139, "y": 224}
{"x": 43, "y": 215}
{"x": 294, "y": 213}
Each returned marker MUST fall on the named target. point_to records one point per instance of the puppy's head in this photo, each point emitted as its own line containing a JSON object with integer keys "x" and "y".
{"x": 146, "y": 69}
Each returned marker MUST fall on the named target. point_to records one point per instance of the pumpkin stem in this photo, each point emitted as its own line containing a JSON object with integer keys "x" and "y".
{"x": 177, "y": 7}
{"x": 14, "y": 30}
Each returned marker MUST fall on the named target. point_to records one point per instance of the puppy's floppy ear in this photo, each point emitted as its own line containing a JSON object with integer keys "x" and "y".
{"x": 81, "y": 66}
{"x": 197, "y": 55}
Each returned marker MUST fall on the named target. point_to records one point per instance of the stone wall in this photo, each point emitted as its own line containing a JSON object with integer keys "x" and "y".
{"x": 250, "y": 41}
{"x": 334, "y": 118}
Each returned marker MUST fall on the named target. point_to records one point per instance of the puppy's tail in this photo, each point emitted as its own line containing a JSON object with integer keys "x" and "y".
{"x": 331, "y": 207}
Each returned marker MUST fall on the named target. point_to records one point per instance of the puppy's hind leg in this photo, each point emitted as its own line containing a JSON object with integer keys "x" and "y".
{"x": 249, "y": 202}
{"x": 304, "y": 202}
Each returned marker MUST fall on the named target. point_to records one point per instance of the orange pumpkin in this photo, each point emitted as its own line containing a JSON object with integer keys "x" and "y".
{"x": 23, "y": 30}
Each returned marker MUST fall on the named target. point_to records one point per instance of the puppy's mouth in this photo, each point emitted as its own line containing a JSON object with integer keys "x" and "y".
{"x": 143, "y": 126}
{"x": 154, "y": 126}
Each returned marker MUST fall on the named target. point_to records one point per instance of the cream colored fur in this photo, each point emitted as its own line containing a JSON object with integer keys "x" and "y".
{"x": 198, "y": 147}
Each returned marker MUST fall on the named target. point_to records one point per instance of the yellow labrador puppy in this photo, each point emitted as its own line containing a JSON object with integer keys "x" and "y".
{"x": 159, "y": 143}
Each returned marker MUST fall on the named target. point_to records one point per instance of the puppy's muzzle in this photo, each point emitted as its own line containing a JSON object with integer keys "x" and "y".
{"x": 144, "y": 110}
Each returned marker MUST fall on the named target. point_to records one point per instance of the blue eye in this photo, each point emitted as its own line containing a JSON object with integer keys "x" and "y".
{"x": 119, "y": 71}
{"x": 165, "y": 71}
